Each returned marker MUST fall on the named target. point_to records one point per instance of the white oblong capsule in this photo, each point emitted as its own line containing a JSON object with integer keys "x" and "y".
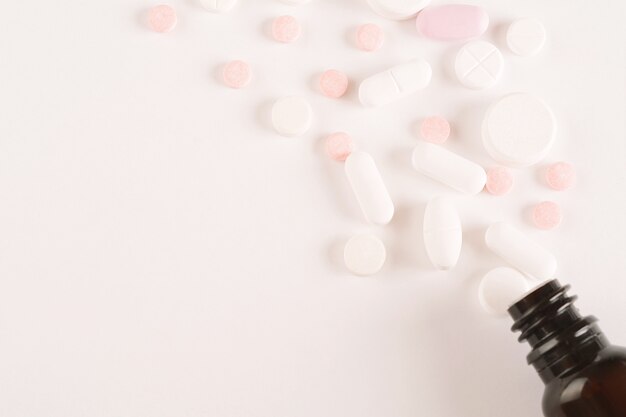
{"x": 443, "y": 233}
{"x": 218, "y": 6}
{"x": 369, "y": 188}
{"x": 395, "y": 83}
{"x": 449, "y": 168}
{"x": 520, "y": 251}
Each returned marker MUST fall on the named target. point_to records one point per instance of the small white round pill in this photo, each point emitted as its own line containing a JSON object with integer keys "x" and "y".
{"x": 364, "y": 254}
{"x": 500, "y": 288}
{"x": 479, "y": 65}
{"x": 291, "y": 116}
{"x": 526, "y": 37}
{"x": 218, "y": 6}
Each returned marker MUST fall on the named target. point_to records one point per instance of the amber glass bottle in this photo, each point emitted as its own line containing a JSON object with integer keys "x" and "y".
{"x": 584, "y": 375}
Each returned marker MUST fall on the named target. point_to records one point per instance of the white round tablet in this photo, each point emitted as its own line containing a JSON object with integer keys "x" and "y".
{"x": 519, "y": 130}
{"x": 218, "y": 6}
{"x": 500, "y": 288}
{"x": 291, "y": 116}
{"x": 479, "y": 65}
{"x": 397, "y": 9}
{"x": 364, "y": 254}
{"x": 526, "y": 37}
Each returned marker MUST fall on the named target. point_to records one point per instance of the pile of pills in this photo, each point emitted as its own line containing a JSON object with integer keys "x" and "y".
{"x": 518, "y": 131}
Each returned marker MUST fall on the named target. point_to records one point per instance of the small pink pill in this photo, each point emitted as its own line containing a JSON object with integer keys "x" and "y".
{"x": 499, "y": 180}
{"x": 452, "y": 22}
{"x": 370, "y": 37}
{"x": 547, "y": 215}
{"x": 435, "y": 129}
{"x": 560, "y": 176}
{"x": 339, "y": 146}
{"x": 236, "y": 74}
{"x": 286, "y": 29}
{"x": 162, "y": 18}
{"x": 333, "y": 83}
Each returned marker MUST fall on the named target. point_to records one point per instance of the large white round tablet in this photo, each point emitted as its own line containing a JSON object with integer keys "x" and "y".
{"x": 526, "y": 37}
{"x": 519, "y": 130}
{"x": 500, "y": 288}
{"x": 218, "y": 6}
{"x": 397, "y": 9}
{"x": 364, "y": 254}
{"x": 291, "y": 116}
{"x": 479, "y": 65}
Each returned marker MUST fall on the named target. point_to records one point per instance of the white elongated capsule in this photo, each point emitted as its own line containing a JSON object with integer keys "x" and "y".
{"x": 369, "y": 188}
{"x": 520, "y": 251}
{"x": 449, "y": 168}
{"x": 443, "y": 233}
{"x": 395, "y": 83}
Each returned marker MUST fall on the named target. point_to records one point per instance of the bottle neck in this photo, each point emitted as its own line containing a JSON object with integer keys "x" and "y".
{"x": 562, "y": 341}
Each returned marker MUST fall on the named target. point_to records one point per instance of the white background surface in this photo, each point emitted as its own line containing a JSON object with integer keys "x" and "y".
{"x": 164, "y": 253}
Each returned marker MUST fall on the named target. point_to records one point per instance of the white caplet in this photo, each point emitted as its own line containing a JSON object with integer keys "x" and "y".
{"x": 395, "y": 83}
{"x": 218, "y": 6}
{"x": 397, "y": 9}
{"x": 500, "y": 288}
{"x": 443, "y": 233}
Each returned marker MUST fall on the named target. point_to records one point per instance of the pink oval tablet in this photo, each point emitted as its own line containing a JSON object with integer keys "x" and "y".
{"x": 452, "y": 22}
{"x": 560, "y": 176}
{"x": 339, "y": 146}
{"x": 370, "y": 37}
{"x": 435, "y": 129}
{"x": 499, "y": 181}
{"x": 162, "y": 18}
{"x": 547, "y": 215}
{"x": 236, "y": 74}
{"x": 333, "y": 83}
{"x": 286, "y": 29}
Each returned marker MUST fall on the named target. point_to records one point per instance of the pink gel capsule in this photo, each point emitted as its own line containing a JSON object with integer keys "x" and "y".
{"x": 370, "y": 37}
{"x": 452, "y": 22}
{"x": 339, "y": 146}
{"x": 547, "y": 215}
{"x": 236, "y": 74}
{"x": 560, "y": 176}
{"x": 162, "y": 18}
{"x": 286, "y": 29}
{"x": 333, "y": 83}
{"x": 435, "y": 129}
{"x": 499, "y": 181}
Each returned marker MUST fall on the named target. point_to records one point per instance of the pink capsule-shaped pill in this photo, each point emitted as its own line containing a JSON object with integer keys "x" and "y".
{"x": 452, "y": 22}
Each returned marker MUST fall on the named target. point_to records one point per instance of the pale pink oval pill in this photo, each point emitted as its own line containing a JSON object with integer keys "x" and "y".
{"x": 339, "y": 146}
{"x": 370, "y": 37}
{"x": 499, "y": 180}
{"x": 560, "y": 176}
{"x": 162, "y": 18}
{"x": 435, "y": 129}
{"x": 333, "y": 83}
{"x": 452, "y": 22}
{"x": 547, "y": 215}
{"x": 236, "y": 74}
{"x": 286, "y": 29}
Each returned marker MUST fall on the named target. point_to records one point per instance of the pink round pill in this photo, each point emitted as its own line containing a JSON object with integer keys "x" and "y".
{"x": 286, "y": 29}
{"x": 370, "y": 37}
{"x": 236, "y": 74}
{"x": 547, "y": 215}
{"x": 435, "y": 129}
{"x": 499, "y": 180}
{"x": 333, "y": 83}
{"x": 339, "y": 146}
{"x": 162, "y": 18}
{"x": 560, "y": 176}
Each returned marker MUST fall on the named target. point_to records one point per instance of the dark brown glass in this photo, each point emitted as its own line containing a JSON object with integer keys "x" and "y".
{"x": 584, "y": 375}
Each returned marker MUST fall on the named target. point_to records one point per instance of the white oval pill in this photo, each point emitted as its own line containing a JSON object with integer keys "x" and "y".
{"x": 397, "y": 9}
{"x": 395, "y": 83}
{"x": 369, "y": 188}
{"x": 526, "y": 37}
{"x": 291, "y": 116}
{"x": 364, "y": 254}
{"x": 479, "y": 65}
{"x": 218, "y": 6}
{"x": 445, "y": 166}
{"x": 519, "y": 130}
{"x": 443, "y": 233}
{"x": 500, "y": 288}
{"x": 520, "y": 251}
